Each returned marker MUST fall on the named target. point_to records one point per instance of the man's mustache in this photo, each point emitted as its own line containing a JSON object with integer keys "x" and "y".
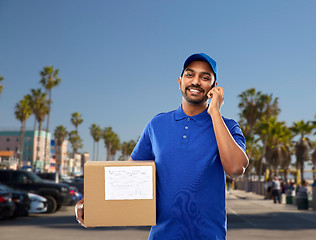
{"x": 197, "y": 87}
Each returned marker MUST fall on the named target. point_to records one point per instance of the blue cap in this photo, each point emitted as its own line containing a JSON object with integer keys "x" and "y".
{"x": 201, "y": 57}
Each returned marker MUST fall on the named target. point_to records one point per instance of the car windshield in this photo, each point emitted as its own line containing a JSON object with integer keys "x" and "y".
{"x": 4, "y": 188}
{"x": 34, "y": 177}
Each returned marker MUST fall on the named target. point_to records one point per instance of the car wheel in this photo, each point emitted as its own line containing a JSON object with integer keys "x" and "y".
{"x": 58, "y": 207}
{"x": 51, "y": 204}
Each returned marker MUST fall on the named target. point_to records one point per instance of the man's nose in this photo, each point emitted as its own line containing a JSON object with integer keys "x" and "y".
{"x": 196, "y": 80}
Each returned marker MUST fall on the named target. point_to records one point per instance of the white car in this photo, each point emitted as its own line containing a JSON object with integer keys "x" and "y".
{"x": 38, "y": 203}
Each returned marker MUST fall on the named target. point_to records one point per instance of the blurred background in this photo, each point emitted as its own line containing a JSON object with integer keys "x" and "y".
{"x": 79, "y": 80}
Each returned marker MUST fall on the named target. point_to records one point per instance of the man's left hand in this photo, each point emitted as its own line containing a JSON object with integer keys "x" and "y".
{"x": 217, "y": 96}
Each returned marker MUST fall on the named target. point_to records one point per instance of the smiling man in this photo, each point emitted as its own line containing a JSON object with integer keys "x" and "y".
{"x": 193, "y": 147}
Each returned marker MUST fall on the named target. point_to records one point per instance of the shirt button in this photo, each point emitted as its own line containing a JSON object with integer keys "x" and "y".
{"x": 186, "y": 127}
{"x": 188, "y": 119}
{"x": 184, "y": 136}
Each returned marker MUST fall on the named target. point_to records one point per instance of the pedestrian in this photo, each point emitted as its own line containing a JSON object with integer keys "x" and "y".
{"x": 193, "y": 147}
{"x": 276, "y": 190}
{"x": 303, "y": 188}
{"x": 268, "y": 186}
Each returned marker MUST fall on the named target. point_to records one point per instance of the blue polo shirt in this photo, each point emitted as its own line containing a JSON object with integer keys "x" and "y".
{"x": 191, "y": 193}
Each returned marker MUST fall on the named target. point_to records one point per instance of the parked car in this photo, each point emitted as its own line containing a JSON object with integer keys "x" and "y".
{"x": 76, "y": 182}
{"x": 7, "y": 206}
{"x": 38, "y": 203}
{"x": 76, "y": 195}
{"x": 21, "y": 200}
{"x": 57, "y": 194}
{"x": 50, "y": 176}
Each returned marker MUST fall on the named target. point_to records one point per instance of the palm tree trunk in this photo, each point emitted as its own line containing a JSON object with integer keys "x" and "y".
{"x": 20, "y": 165}
{"x": 93, "y": 150}
{"x": 302, "y": 172}
{"x": 98, "y": 151}
{"x": 38, "y": 144}
{"x": 46, "y": 138}
{"x": 108, "y": 153}
{"x": 57, "y": 165}
{"x": 58, "y": 161}
{"x": 47, "y": 129}
{"x": 285, "y": 175}
{"x": 262, "y": 158}
{"x": 34, "y": 124}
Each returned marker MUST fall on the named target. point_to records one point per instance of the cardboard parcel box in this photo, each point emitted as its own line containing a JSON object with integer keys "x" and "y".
{"x": 119, "y": 193}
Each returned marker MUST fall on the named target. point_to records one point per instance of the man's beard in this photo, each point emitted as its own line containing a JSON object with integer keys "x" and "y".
{"x": 194, "y": 102}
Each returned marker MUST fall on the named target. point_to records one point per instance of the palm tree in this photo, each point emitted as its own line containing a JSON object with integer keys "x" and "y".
{"x": 253, "y": 152}
{"x": 76, "y": 119}
{"x": 276, "y": 138}
{"x": 96, "y": 133}
{"x": 60, "y": 135}
{"x": 75, "y": 140}
{"x": 111, "y": 141}
{"x": 127, "y": 149}
{"x": 303, "y": 145}
{"x": 249, "y": 109}
{"x": 49, "y": 80}
{"x": 279, "y": 145}
{"x": 124, "y": 146}
{"x": 39, "y": 104}
{"x": 254, "y": 107}
{"x": 1, "y": 86}
{"x": 116, "y": 146}
{"x": 314, "y": 160}
{"x": 22, "y": 112}
{"x": 268, "y": 106}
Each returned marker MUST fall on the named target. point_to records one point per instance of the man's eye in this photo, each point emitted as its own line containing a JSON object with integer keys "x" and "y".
{"x": 206, "y": 78}
{"x": 188, "y": 74}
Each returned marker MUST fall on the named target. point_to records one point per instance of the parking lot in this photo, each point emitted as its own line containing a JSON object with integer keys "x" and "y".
{"x": 249, "y": 217}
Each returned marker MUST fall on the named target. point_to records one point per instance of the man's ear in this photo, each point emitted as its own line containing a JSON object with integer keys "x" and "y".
{"x": 179, "y": 81}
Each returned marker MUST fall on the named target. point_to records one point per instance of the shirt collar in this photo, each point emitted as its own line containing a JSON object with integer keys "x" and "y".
{"x": 199, "y": 118}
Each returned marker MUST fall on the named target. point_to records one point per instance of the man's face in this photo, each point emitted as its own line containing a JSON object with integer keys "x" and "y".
{"x": 197, "y": 80}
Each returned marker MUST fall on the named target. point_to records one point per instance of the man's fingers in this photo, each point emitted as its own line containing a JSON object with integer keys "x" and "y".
{"x": 79, "y": 210}
{"x": 220, "y": 89}
{"x": 212, "y": 92}
{"x": 79, "y": 216}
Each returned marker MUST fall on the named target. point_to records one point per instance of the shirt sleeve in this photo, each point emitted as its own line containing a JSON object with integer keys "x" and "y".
{"x": 143, "y": 149}
{"x": 237, "y": 134}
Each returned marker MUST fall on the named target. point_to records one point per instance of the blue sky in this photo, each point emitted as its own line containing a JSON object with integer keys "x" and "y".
{"x": 119, "y": 61}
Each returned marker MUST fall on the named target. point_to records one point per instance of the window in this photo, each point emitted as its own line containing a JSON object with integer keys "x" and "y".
{"x": 8, "y": 149}
{"x": 4, "y": 176}
{"x": 19, "y": 178}
{"x": 8, "y": 139}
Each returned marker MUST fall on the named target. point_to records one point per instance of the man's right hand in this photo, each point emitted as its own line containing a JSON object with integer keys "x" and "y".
{"x": 79, "y": 210}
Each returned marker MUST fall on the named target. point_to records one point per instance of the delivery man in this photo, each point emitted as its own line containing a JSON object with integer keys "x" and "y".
{"x": 193, "y": 147}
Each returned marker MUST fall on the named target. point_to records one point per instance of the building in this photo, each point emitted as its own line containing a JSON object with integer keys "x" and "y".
{"x": 61, "y": 157}
{"x": 52, "y": 163}
{"x": 10, "y": 141}
{"x": 76, "y": 163}
{"x": 8, "y": 160}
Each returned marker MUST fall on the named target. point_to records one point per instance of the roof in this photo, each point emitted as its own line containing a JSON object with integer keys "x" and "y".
{"x": 6, "y": 153}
